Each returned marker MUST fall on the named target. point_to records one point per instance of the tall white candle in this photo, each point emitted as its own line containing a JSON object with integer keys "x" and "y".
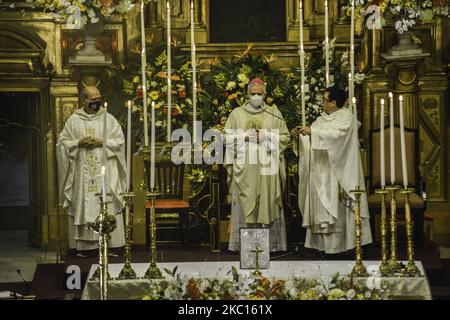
{"x": 105, "y": 132}
{"x": 129, "y": 146}
{"x": 352, "y": 71}
{"x": 352, "y": 50}
{"x": 402, "y": 143}
{"x": 143, "y": 75}
{"x": 350, "y": 94}
{"x": 302, "y": 67}
{"x": 169, "y": 75}
{"x": 392, "y": 137}
{"x": 194, "y": 74}
{"x": 103, "y": 173}
{"x": 382, "y": 156}
{"x": 327, "y": 47}
{"x": 153, "y": 147}
{"x": 355, "y": 134}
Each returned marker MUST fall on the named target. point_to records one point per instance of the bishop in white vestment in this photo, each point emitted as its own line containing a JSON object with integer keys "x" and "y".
{"x": 257, "y": 186}
{"x": 80, "y": 158}
{"x": 329, "y": 168}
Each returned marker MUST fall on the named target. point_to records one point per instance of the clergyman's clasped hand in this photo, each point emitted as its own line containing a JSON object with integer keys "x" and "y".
{"x": 300, "y": 130}
{"x": 90, "y": 143}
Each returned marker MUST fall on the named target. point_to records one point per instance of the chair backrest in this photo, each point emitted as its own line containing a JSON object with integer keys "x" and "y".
{"x": 169, "y": 178}
{"x": 412, "y": 158}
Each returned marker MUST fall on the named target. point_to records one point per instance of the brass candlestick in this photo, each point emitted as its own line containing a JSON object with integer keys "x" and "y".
{"x": 394, "y": 265}
{"x": 359, "y": 270}
{"x": 384, "y": 267}
{"x": 146, "y": 151}
{"x": 257, "y": 251}
{"x": 153, "y": 272}
{"x": 127, "y": 272}
{"x": 103, "y": 226}
{"x": 411, "y": 269}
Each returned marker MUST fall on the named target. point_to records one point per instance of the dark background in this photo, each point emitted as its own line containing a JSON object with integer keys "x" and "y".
{"x": 247, "y": 20}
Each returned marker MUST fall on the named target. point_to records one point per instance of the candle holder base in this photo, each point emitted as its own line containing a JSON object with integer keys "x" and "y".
{"x": 411, "y": 270}
{"x": 257, "y": 273}
{"x": 96, "y": 275}
{"x": 127, "y": 273}
{"x": 153, "y": 272}
{"x": 359, "y": 270}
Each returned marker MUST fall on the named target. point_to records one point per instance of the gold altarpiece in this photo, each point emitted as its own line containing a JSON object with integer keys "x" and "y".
{"x": 34, "y": 47}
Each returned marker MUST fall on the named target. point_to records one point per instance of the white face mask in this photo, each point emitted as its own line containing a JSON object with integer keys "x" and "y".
{"x": 256, "y": 100}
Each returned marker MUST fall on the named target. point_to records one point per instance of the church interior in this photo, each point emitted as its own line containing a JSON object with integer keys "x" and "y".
{"x": 192, "y": 60}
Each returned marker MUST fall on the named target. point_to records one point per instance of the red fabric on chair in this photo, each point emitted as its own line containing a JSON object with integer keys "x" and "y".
{"x": 169, "y": 204}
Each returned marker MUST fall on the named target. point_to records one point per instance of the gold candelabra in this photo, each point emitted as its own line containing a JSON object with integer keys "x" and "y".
{"x": 127, "y": 272}
{"x": 394, "y": 265}
{"x": 103, "y": 226}
{"x": 153, "y": 272}
{"x": 411, "y": 269}
{"x": 359, "y": 270}
{"x": 384, "y": 267}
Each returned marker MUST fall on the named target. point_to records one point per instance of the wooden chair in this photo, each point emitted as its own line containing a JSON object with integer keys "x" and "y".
{"x": 414, "y": 179}
{"x": 170, "y": 206}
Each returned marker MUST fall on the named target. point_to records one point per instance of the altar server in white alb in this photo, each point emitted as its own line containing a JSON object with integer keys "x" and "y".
{"x": 329, "y": 159}
{"x": 257, "y": 187}
{"x": 80, "y": 159}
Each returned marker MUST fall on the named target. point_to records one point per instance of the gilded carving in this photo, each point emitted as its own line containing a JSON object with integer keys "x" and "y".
{"x": 430, "y": 105}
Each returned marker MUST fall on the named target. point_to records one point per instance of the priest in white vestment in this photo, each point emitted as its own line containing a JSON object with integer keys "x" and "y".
{"x": 257, "y": 172}
{"x": 80, "y": 159}
{"x": 329, "y": 168}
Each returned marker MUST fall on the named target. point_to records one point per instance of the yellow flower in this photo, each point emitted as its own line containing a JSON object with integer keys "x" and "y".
{"x": 154, "y": 95}
{"x": 269, "y": 100}
{"x": 136, "y": 79}
{"x": 215, "y": 102}
{"x": 242, "y": 85}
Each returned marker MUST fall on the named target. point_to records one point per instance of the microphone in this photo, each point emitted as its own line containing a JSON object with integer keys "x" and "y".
{"x": 20, "y": 275}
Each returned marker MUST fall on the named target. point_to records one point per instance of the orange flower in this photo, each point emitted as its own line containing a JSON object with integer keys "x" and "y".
{"x": 106, "y": 3}
{"x": 438, "y": 3}
{"x": 175, "y": 78}
{"x": 176, "y": 110}
{"x": 193, "y": 291}
{"x": 232, "y": 96}
{"x": 182, "y": 94}
{"x": 162, "y": 74}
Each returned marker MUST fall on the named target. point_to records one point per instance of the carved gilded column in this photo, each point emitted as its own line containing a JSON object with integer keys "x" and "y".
{"x": 201, "y": 35}
{"x": 293, "y": 16}
{"x": 403, "y": 72}
{"x": 308, "y": 11}
{"x": 198, "y": 19}
{"x": 295, "y": 12}
{"x": 152, "y": 13}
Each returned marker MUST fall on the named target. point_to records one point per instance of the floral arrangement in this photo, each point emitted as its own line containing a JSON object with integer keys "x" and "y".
{"x": 315, "y": 83}
{"x": 80, "y": 12}
{"x": 197, "y": 177}
{"x": 405, "y": 14}
{"x": 127, "y": 84}
{"x": 251, "y": 287}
